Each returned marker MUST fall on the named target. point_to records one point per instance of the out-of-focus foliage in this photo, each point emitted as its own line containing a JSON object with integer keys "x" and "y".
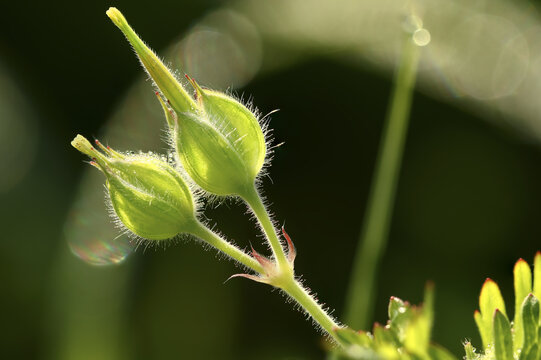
{"x": 406, "y": 336}
{"x": 469, "y": 191}
{"x": 483, "y": 55}
{"x": 502, "y": 339}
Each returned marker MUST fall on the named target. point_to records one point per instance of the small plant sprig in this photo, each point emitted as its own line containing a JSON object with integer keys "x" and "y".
{"x": 502, "y": 339}
{"x": 407, "y": 333}
{"x": 406, "y": 336}
{"x": 220, "y": 150}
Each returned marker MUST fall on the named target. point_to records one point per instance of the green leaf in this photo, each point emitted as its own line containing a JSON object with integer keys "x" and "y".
{"x": 530, "y": 320}
{"x": 436, "y": 352}
{"x": 396, "y": 307}
{"x": 470, "y": 351}
{"x": 537, "y": 275}
{"x": 385, "y": 344}
{"x": 503, "y": 339}
{"x": 530, "y": 354}
{"x": 418, "y": 335}
{"x": 490, "y": 299}
{"x": 351, "y": 337}
{"x": 400, "y": 315}
{"x": 382, "y": 336}
{"x": 483, "y": 330}
{"x": 523, "y": 286}
{"x": 418, "y": 332}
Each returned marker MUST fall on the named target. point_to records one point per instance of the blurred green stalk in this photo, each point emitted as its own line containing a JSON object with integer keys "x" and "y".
{"x": 375, "y": 230}
{"x": 89, "y": 311}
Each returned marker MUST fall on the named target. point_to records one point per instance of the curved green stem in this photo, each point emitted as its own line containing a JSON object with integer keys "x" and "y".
{"x": 226, "y": 247}
{"x": 373, "y": 239}
{"x": 285, "y": 281}
{"x": 294, "y": 289}
{"x": 285, "y": 277}
{"x": 254, "y": 201}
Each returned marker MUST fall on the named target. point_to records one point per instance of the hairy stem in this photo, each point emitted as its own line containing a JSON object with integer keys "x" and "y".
{"x": 226, "y": 247}
{"x": 373, "y": 238}
{"x": 294, "y": 289}
{"x": 285, "y": 278}
{"x": 254, "y": 201}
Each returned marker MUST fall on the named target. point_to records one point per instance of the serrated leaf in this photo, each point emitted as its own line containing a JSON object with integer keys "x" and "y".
{"x": 351, "y": 337}
{"x": 418, "y": 334}
{"x": 384, "y": 343}
{"x": 400, "y": 315}
{"x": 503, "y": 339}
{"x": 389, "y": 352}
{"x": 530, "y": 320}
{"x": 436, "y": 352}
{"x": 383, "y": 336}
{"x": 356, "y": 353}
{"x": 396, "y": 307}
{"x": 523, "y": 286}
{"x": 470, "y": 351}
{"x": 346, "y": 336}
{"x": 483, "y": 330}
{"x": 490, "y": 299}
{"x": 537, "y": 275}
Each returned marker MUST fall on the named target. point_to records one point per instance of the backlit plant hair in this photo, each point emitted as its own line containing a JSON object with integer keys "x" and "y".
{"x": 221, "y": 148}
{"x": 220, "y": 144}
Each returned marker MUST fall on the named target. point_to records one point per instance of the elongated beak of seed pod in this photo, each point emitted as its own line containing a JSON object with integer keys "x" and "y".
{"x": 219, "y": 141}
{"x": 165, "y": 80}
{"x": 146, "y": 194}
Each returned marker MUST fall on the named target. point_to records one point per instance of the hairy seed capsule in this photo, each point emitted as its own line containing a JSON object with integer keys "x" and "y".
{"x": 223, "y": 147}
{"x": 147, "y": 195}
{"x": 219, "y": 141}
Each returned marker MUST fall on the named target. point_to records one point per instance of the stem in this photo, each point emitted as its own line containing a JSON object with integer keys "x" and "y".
{"x": 294, "y": 289}
{"x": 373, "y": 239}
{"x": 254, "y": 201}
{"x": 285, "y": 278}
{"x": 226, "y": 247}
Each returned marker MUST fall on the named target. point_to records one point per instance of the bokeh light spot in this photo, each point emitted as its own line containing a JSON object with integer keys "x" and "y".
{"x": 88, "y": 229}
{"x": 493, "y": 59}
{"x": 421, "y": 37}
{"x": 223, "y": 51}
{"x": 100, "y": 252}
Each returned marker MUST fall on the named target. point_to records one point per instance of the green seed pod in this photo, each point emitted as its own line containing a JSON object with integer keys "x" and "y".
{"x": 219, "y": 141}
{"x": 237, "y": 123}
{"x": 210, "y": 158}
{"x": 148, "y": 196}
{"x": 222, "y": 148}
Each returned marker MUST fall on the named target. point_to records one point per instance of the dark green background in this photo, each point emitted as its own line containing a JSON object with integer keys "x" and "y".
{"x": 468, "y": 203}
